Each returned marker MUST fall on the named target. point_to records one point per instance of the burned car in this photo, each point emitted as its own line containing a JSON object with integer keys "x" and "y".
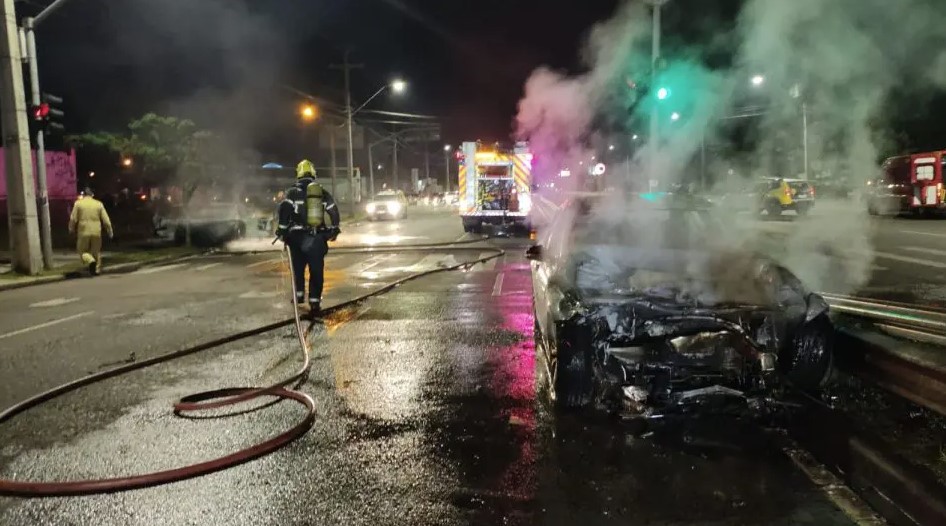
{"x": 639, "y": 306}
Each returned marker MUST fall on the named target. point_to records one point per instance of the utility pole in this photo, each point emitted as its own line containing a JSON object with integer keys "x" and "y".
{"x": 370, "y": 173}
{"x": 346, "y": 67}
{"x": 446, "y": 168}
{"x": 21, "y": 204}
{"x": 804, "y": 135}
{"x": 394, "y": 161}
{"x": 45, "y": 228}
{"x": 426, "y": 161}
{"x": 334, "y": 169}
{"x": 654, "y": 110}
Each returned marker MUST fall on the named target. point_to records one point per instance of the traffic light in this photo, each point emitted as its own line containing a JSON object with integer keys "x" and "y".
{"x": 663, "y": 93}
{"x": 45, "y": 115}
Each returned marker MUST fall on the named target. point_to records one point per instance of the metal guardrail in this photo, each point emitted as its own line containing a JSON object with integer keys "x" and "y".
{"x": 874, "y": 362}
{"x": 869, "y": 357}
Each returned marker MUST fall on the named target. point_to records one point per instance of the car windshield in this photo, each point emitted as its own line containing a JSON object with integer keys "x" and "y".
{"x": 661, "y": 225}
{"x": 386, "y": 195}
{"x": 663, "y": 249}
{"x": 800, "y": 186}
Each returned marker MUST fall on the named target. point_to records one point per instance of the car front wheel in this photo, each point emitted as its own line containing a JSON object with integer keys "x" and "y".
{"x": 809, "y": 359}
{"x": 773, "y": 208}
{"x": 572, "y": 370}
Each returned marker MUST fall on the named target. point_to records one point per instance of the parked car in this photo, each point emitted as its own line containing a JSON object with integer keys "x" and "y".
{"x": 778, "y": 195}
{"x": 387, "y": 204}
{"x": 210, "y": 225}
{"x": 637, "y": 308}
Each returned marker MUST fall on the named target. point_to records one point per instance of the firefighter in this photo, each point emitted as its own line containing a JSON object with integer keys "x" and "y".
{"x": 88, "y": 217}
{"x": 307, "y": 220}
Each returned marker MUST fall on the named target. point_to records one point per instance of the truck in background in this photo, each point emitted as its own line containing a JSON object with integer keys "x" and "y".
{"x": 909, "y": 184}
{"x": 494, "y": 186}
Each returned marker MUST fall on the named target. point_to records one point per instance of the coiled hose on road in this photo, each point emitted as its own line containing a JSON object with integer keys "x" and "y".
{"x": 225, "y": 397}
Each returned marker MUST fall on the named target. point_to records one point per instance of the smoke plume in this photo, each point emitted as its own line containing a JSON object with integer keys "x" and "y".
{"x": 828, "y": 71}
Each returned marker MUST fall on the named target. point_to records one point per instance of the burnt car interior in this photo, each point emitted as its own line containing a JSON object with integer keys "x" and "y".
{"x": 644, "y": 314}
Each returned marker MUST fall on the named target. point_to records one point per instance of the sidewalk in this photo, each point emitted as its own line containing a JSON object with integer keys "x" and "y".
{"x": 67, "y": 264}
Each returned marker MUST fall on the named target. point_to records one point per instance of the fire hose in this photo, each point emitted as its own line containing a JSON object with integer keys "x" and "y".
{"x": 285, "y": 389}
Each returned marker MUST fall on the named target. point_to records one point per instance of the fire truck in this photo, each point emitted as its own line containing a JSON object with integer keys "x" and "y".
{"x": 495, "y": 186}
{"x": 909, "y": 184}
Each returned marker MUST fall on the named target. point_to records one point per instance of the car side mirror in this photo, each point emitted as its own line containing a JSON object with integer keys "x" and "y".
{"x": 534, "y": 253}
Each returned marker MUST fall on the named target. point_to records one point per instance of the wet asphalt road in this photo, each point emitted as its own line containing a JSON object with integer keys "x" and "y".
{"x": 430, "y": 408}
{"x": 894, "y": 258}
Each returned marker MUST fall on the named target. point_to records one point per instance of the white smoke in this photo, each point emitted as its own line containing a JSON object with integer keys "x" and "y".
{"x": 835, "y": 63}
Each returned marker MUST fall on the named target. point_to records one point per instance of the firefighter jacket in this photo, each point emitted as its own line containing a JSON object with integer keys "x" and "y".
{"x": 292, "y": 210}
{"x": 88, "y": 217}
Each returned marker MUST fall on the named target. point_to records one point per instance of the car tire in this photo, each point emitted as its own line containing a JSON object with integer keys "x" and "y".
{"x": 573, "y": 372}
{"x": 773, "y": 208}
{"x": 809, "y": 360}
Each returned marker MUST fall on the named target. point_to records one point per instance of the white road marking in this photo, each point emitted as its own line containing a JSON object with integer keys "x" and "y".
{"x": 262, "y": 263}
{"x": 917, "y": 232}
{"x": 907, "y": 259}
{"x": 924, "y": 250}
{"x": 154, "y": 270}
{"x": 257, "y": 295}
{"x": 207, "y": 266}
{"x": 878, "y": 268}
{"x": 498, "y": 285}
{"x": 47, "y": 324}
{"x": 53, "y": 302}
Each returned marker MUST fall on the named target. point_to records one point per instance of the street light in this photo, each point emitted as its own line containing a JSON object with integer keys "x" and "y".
{"x": 634, "y": 137}
{"x": 380, "y": 167}
{"x": 611, "y": 147}
{"x": 397, "y": 86}
{"x": 126, "y": 162}
{"x": 308, "y": 112}
{"x": 446, "y": 167}
{"x": 674, "y": 116}
{"x": 757, "y": 80}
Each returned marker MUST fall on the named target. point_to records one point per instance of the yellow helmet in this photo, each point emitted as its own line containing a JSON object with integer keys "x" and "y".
{"x": 305, "y": 167}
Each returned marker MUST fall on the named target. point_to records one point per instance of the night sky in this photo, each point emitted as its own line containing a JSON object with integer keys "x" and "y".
{"x": 222, "y": 62}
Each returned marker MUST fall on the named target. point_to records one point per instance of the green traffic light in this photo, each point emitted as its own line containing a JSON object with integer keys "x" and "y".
{"x": 663, "y": 93}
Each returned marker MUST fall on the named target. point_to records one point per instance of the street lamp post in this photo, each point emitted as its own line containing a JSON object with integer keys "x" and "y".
{"x": 397, "y": 86}
{"x": 654, "y": 58}
{"x": 446, "y": 167}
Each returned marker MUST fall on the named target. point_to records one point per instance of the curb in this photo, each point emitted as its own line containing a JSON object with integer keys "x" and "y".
{"x": 121, "y": 268}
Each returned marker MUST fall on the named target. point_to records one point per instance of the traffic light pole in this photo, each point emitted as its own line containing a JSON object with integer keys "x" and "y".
{"x": 654, "y": 110}
{"x": 42, "y": 191}
{"x": 21, "y": 206}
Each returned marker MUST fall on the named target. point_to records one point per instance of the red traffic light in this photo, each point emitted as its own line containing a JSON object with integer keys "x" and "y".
{"x": 41, "y": 111}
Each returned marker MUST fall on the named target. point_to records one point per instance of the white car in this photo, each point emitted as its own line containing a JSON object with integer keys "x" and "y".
{"x": 387, "y": 204}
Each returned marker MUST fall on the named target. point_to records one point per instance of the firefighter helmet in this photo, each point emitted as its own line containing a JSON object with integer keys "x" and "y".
{"x": 305, "y": 167}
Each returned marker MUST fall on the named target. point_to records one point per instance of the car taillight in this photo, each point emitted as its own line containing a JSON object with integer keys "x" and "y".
{"x": 788, "y": 191}
{"x": 812, "y": 190}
